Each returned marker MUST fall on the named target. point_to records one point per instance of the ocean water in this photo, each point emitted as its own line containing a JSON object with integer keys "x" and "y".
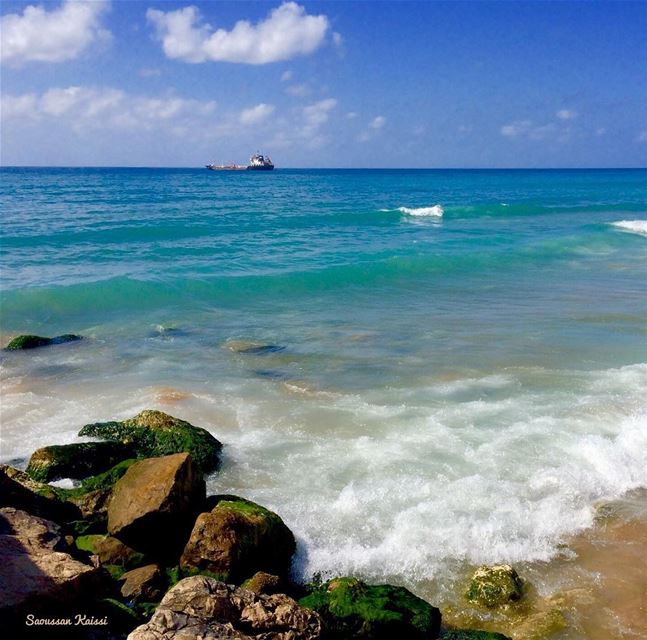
{"x": 465, "y": 352}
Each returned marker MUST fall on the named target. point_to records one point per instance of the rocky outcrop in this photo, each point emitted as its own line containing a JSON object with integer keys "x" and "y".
{"x": 18, "y": 490}
{"x": 143, "y": 584}
{"x": 495, "y": 586}
{"x": 35, "y": 571}
{"x": 352, "y": 609}
{"x": 236, "y": 539}
{"x": 153, "y": 433}
{"x": 201, "y": 607}
{"x": 78, "y": 460}
{"x": 154, "y": 503}
{"x": 32, "y": 342}
{"x": 249, "y": 347}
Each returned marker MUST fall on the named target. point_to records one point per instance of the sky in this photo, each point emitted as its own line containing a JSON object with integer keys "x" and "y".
{"x": 324, "y": 84}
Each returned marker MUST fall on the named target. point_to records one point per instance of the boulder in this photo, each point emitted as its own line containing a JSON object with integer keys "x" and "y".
{"x": 262, "y": 582}
{"x": 153, "y": 505}
{"x": 495, "y": 586}
{"x": 472, "y": 634}
{"x": 31, "y": 342}
{"x": 153, "y": 433}
{"x": 18, "y": 490}
{"x": 109, "y": 550}
{"x": 78, "y": 460}
{"x": 352, "y": 609}
{"x": 236, "y": 539}
{"x": 201, "y": 607}
{"x": 35, "y": 572}
{"x": 249, "y": 347}
{"x": 143, "y": 584}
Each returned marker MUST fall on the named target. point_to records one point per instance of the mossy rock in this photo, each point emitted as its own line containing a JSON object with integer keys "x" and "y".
{"x": 78, "y": 460}
{"x": 495, "y": 586}
{"x": 110, "y": 551}
{"x": 32, "y": 342}
{"x": 237, "y": 538}
{"x": 471, "y": 634}
{"x": 248, "y": 347}
{"x": 353, "y": 609}
{"x": 153, "y": 433}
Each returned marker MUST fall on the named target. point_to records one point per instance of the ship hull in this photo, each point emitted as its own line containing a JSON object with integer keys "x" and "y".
{"x": 261, "y": 168}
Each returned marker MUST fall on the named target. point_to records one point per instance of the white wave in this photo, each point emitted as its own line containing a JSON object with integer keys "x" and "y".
{"x": 632, "y": 226}
{"x": 436, "y": 211}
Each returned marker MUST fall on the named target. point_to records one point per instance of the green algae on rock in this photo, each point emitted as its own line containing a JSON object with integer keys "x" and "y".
{"x": 78, "y": 460}
{"x": 353, "y": 609}
{"x": 154, "y": 433}
{"x": 32, "y": 342}
{"x": 237, "y": 538}
{"x": 495, "y": 586}
{"x": 110, "y": 551}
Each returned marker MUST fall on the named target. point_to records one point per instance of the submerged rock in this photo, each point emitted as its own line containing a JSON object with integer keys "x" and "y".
{"x": 495, "y": 586}
{"x": 200, "y": 607}
{"x": 154, "y": 433}
{"x": 352, "y": 609}
{"x": 78, "y": 460}
{"x": 32, "y": 342}
{"x": 248, "y": 347}
{"x": 153, "y": 505}
{"x": 236, "y": 539}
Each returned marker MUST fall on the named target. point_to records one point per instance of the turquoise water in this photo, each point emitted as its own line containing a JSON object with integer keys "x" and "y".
{"x": 454, "y": 388}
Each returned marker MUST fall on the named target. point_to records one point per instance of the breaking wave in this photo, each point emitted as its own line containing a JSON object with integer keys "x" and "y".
{"x": 436, "y": 211}
{"x": 632, "y": 226}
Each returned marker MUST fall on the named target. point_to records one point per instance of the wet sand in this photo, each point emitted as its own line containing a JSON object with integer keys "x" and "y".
{"x": 595, "y": 590}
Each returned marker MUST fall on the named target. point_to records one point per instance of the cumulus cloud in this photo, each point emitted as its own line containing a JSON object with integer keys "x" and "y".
{"x": 286, "y": 75}
{"x": 84, "y": 108}
{"x": 372, "y": 128}
{"x": 286, "y": 32}
{"x": 566, "y": 114}
{"x": 298, "y": 90}
{"x": 378, "y": 122}
{"x": 256, "y": 114}
{"x": 61, "y": 34}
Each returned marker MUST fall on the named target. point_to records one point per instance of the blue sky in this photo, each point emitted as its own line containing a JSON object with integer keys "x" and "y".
{"x": 325, "y": 84}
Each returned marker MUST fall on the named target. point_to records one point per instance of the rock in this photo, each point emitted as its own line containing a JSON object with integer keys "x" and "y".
{"x": 262, "y": 582}
{"x": 110, "y": 550}
{"x": 153, "y": 505}
{"x": 31, "y": 342}
{"x": 34, "y": 572}
{"x": 78, "y": 460}
{"x": 248, "y": 347}
{"x": 18, "y": 490}
{"x": 472, "y": 634}
{"x": 143, "y": 584}
{"x": 495, "y": 586}
{"x": 200, "y": 607}
{"x": 352, "y": 609}
{"x": 153, "y": 433}
{"x": 236, "y": 539}
{"x": 92, "y": 503}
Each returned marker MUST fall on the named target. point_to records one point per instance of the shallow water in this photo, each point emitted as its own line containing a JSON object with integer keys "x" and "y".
{"x": 455, "y": 389}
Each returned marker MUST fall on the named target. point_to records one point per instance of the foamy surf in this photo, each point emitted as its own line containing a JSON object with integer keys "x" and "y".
{"x": 436, "y": 211}
{"x": 632, "y": 226}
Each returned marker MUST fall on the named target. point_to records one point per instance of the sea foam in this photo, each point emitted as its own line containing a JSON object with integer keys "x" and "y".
{"x": 632, "y": 226}
{"x": 435, "y": 211}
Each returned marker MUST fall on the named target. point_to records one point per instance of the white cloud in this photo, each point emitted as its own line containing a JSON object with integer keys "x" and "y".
{"x": 61, "y": 34}
{"x": 600, "y": 131}
{"x": 286, "y": 32}
{"x": 351, "y": 115}
{"x": 566, "y": 114}
{"x": 83, "y": 108}
{"x": 299, "y": 90}
{"x": 378, "y": 122}
{"x": 256, "y": 114}
{"x": 286, "y": 75}
{"x": 527, "y": 129}
{"x": 642, "y": 137}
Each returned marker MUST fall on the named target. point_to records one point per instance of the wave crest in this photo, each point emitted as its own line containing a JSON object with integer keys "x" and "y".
{"x": 436, "y": 211}
{"x": 632, "y": 226}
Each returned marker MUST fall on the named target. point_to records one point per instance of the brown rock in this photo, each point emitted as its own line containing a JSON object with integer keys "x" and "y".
{"x": 236, "y": 539}
{"x": 93, "y": 503}
{"x": 262, "y": 582}
{"x": 143, "y": 584}
{"x": 154, "y": 503}
{"x": 33, "y": 572}
{"x": 201, "y": 607}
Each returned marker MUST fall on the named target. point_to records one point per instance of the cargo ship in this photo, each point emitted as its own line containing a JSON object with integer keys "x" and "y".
{"x": 257, "y": 162}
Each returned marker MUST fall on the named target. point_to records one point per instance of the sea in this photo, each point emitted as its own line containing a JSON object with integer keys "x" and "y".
{"x": 458, "y": 362}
